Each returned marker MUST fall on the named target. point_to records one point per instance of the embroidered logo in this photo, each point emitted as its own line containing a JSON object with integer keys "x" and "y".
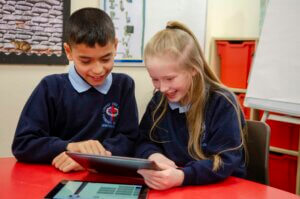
{"x": 110, "y": 113}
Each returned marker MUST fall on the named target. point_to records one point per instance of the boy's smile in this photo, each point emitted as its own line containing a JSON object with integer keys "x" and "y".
{"x": 93, "y": 64}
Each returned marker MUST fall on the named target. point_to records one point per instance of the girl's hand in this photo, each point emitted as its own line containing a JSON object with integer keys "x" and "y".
{"x": 161, "y": 159}
{"x": 166, "y": 178}
{"x": 65, "y": 164}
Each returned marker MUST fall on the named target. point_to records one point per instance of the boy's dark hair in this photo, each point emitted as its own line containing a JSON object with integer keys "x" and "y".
{"x": 89, "y": 26}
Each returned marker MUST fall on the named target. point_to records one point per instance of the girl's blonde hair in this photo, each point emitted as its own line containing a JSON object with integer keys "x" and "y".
{"x": 181, "y": 44}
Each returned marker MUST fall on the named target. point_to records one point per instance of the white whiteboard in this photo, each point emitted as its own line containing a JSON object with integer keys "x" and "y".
{"x": 274, "y": 83}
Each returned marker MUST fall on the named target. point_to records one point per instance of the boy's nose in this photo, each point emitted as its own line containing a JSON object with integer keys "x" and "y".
{"x": 98, "y": 68}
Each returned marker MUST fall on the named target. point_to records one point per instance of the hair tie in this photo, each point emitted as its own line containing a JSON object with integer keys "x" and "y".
{"x": 170, "y": 27}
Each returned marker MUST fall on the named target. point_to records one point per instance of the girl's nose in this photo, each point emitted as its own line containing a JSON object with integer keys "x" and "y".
{"x": 163, "y": 87}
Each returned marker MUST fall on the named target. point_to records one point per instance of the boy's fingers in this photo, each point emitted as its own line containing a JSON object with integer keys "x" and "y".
{"x": 54, "y": 161}
{"x": 78, "y": 168}
{"x": 72, "y": 166}
{"x": 88, "y": 145}
{"x": 64, "y": 165}
{"x": 107, "y": 153}
{"x": 100, "y": 148}
{"x": 91, "y": 147}
{"x": 97, "y": 147}
{"x": 58, "y": 160}
{"x": 81, "y": 147}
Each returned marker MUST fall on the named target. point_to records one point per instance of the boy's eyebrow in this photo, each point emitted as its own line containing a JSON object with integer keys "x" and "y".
{"x": 84, "y": 57}
{"x": 107, "y": 55}
{"x": 87, "y": 57}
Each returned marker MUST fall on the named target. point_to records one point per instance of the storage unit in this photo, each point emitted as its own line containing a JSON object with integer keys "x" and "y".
{"x": 284, "y": 151}
{"x": 284, "y": 135}
{"x": 246, "y": 110}
{"x": 235, "y": 62}
{"x": 282, "y": 171}
{"x": 282, "y": 167}
{"x": 236, "y": 58}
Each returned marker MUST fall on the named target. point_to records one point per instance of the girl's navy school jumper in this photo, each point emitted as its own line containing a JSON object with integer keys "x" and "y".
{"x": 221, "y": 132}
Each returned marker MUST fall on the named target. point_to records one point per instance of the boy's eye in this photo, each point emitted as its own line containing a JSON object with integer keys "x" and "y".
{"x": 170, "y": 78}
{"x": 85, "y": 61}
{"x": 105, "y": 60}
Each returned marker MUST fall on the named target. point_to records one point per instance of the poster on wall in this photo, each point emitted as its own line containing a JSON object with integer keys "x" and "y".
{"x": 129, "y": 20}
{"x": 31, "y": 32}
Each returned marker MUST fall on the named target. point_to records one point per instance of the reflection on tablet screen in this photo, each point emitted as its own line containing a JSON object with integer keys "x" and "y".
{"x": 75, "y": 189}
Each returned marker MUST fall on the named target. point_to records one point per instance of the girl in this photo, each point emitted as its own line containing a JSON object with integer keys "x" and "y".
{"x": 193, "y": 126}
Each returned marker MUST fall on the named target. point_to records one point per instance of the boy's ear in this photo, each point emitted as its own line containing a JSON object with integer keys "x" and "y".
{"x": 116, "y": 45}
{"x": 68, "y": 50}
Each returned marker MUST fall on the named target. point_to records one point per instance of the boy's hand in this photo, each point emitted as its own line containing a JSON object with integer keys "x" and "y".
{"x": 166, "y": 178}
{"x": 89, "y": 147}
{"x": 161, "y": 159}
{"x": 66, "y": 164}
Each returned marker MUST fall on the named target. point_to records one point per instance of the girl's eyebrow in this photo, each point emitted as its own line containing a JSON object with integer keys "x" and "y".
{"x": 169, "y": 75}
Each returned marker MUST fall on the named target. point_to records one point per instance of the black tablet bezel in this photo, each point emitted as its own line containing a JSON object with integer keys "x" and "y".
{"x": 50, "y": 195}
{"x": 115, "y": 165}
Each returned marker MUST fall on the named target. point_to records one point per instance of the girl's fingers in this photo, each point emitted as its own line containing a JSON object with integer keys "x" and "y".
{"x": 164, "y": 166}
{"x": 150, "y": 184}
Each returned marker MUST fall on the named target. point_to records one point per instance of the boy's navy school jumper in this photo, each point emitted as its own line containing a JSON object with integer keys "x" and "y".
{"x": 63, "y": 108}
{"x": 221, "y": 132}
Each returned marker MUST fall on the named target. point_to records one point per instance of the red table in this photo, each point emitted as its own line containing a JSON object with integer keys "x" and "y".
{"x": 20, "y": 180}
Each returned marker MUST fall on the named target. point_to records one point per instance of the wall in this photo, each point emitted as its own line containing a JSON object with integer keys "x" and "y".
{"x": 169, "y": 10}
{"x": 225, "y": 18}
{"x": 18, "y": 81}
{"x": 230, "y": 19}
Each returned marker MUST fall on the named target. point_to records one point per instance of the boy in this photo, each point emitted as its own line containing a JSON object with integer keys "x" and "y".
{"x": 88, "y": 110}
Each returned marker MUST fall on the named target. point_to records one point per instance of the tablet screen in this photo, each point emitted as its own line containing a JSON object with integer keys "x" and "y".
{"x": 78, "y": 189}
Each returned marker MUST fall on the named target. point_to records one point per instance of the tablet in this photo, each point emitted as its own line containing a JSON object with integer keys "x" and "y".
{"x": 115, "y": 165}
{"x": 70, "y": 189}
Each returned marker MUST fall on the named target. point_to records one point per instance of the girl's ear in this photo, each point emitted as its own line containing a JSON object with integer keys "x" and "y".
{"x": 194, "y": 72}
{"x": 68, "y": 51}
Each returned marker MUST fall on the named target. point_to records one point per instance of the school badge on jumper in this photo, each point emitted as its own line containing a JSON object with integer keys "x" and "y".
{"x": 110, "y": 113}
